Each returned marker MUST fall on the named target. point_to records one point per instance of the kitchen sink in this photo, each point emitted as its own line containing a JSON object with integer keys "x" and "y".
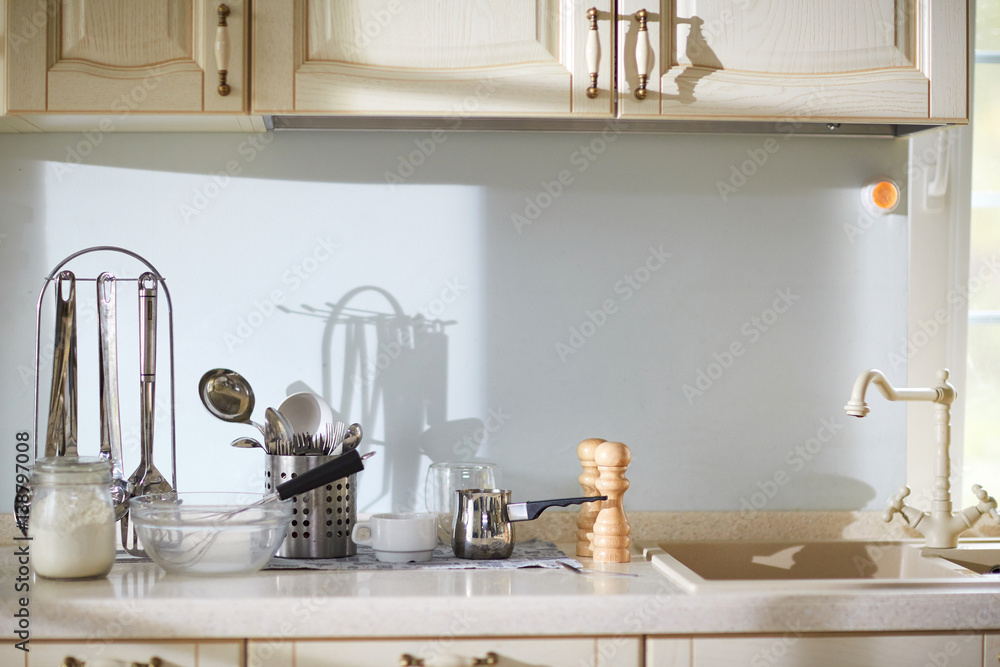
{"x": 806, "y": 566}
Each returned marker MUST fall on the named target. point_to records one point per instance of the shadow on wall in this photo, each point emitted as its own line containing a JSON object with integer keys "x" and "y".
{"x": 389, "y": 371}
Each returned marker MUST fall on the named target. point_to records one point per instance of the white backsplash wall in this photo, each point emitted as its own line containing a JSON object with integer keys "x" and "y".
{"x": 578, "y": 285}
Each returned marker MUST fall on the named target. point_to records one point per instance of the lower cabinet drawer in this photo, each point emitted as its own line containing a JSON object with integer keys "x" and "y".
{"x": 583, "y": 652}
{"x": 795, "y": 650}
{"x": 127, "y": 654}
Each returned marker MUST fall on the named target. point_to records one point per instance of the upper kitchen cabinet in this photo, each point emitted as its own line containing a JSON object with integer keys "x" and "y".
{"x": 126, "y": 56}
{"x": 851, "y": 60}
{"x": 451, "y": 58}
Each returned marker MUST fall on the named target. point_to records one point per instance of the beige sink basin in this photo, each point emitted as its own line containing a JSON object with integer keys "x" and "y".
{"x": 805, "y": 566}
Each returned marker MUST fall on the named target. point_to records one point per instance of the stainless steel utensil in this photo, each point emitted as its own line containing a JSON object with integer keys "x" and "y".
{"x": 580, "y": 570}
{"x": 483, "y": 521}
{"x": 228, "y": 396}
{"x": 146, "y": 479}
{"x": 277, "y": 433}
{"x": 60, "y": 438}
{"x": 111, "y": 433}
{"x": 353, "y": 437}
{"x": 247, "y": 443}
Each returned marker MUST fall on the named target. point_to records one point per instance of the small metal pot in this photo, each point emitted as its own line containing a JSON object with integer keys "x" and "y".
{"x": 483, "y": 519}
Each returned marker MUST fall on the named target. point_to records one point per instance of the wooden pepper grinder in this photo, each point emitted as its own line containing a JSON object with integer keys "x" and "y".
{"x": 588, "y": 478}
{"x": 610, "y": 542}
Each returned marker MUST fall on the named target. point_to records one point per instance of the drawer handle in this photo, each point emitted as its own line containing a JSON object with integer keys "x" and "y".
{"x": 592, "y": 52}
{"x": 70, "y": 661}
{"x": 407, "y": 660}
{"x": 643, "y": 54}
{"x": 222, "y": 49}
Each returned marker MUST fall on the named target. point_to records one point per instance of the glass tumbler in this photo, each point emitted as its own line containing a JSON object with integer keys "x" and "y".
{"x": 444, "y": 479}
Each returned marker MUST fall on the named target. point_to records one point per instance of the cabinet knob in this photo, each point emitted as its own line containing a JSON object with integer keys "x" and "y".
{"x": 643, "y": 54}
{"x": 593, "y": 52}
{"x": 222, "y": 49}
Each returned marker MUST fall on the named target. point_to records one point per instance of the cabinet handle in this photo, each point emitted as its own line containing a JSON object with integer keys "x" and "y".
{"x": 222, "y": 49}
{"x": 491, "y": 658}
{"x": 592, "y": 52}
{"x": 643, "y": 54}
{"x": 70, "y": 661}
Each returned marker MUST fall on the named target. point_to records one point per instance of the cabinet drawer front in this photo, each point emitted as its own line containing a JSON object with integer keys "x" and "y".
{"x": 180, "y": 654}
{"x": 375, "y": 653}
{"x": 954, "y": 650}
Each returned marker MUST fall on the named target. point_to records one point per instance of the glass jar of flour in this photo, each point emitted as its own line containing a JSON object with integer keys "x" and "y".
{"x": 72, "y": 519}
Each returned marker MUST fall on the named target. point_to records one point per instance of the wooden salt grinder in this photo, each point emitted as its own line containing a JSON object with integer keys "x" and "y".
{"x": 610, "y": 542}
{"x": 588, "y": 513}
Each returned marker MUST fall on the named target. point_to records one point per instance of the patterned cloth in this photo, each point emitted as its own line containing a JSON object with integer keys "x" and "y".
{"x": 531, "y": 553}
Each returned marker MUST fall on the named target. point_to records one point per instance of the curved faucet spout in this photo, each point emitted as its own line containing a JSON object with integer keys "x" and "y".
{"x": 941, "y": 526}
{"x": 857, "y": 407}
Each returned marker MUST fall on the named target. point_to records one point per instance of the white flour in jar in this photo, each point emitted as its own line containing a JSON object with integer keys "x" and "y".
{"x": 73, "y": 531}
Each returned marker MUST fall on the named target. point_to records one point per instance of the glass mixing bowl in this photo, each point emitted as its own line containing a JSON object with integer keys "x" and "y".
{"x": 209, "y": 534}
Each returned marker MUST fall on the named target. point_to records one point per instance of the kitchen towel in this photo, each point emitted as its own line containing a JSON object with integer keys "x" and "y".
{"x": 530, "y": 553}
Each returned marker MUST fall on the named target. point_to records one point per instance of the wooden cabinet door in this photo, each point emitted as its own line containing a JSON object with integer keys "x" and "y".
{"x": 858, "y": 60}
{"x": 170, "y": 654}
{"x": 123, "y": 56}
{"x": 616, "y": 652}
{"x": 795, "y": 650}
{"x": 429, "y": 57}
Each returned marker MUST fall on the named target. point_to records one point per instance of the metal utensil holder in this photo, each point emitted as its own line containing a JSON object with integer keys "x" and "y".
{"x": 23, "y": 501}
{"x": 322, "y": 518}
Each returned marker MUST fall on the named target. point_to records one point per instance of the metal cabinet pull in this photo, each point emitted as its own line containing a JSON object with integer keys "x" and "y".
{"x": 407, "y": 660}
{"x": 592, "y": 52}
{"x": 643, "y": 54}
{"x": 222, "y": 49}
{"x": 70, "y": 661}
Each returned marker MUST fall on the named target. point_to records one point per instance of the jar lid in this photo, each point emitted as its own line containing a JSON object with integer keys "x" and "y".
{"x": 66, "y": 467}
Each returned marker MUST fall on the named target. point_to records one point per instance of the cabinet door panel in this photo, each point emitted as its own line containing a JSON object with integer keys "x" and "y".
{"x": 791, "y": 650}
{"x": 851, "y": 59}
{"x": 376, "y": 653}
{"x": 123, "y": 56}
{"x": 428, "y": 57}
{"x": 173, "y": 654}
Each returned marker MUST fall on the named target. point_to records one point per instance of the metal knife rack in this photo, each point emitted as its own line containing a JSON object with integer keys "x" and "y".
{"x": 49, "y": 279}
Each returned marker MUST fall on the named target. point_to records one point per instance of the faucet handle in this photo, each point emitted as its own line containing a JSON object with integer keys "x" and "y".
{"x": 987, "y": 503}
{"x": 895, "y": 504}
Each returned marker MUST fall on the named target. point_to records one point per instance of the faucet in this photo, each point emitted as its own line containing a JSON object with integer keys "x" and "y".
{"x": 940, "y": 527}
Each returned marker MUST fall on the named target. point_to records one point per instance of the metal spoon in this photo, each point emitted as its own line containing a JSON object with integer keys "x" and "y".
{"x": 227, "y": 395}
{"x": 247, "y": 443}
{"x": 353, "y": 437}
{"x": 279, "y": 432}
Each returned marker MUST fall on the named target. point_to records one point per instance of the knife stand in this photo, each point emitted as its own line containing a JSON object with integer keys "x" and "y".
{"x": 22, "y": 503}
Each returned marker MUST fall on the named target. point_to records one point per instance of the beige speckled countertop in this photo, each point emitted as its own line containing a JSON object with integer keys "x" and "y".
{"x": 139, "y": 601}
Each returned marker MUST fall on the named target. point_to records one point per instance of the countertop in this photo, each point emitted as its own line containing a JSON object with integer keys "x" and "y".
{"x": 139, "y": 601}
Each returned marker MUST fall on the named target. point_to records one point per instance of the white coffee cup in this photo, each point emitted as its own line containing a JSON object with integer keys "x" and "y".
{"x": 399, "y": 537}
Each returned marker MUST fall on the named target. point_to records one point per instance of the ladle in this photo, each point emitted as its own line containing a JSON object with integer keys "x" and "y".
{"x": 228, "y": 396}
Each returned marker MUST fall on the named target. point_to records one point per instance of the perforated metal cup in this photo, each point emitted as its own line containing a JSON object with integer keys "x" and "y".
{"x": 322, "y": 518}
